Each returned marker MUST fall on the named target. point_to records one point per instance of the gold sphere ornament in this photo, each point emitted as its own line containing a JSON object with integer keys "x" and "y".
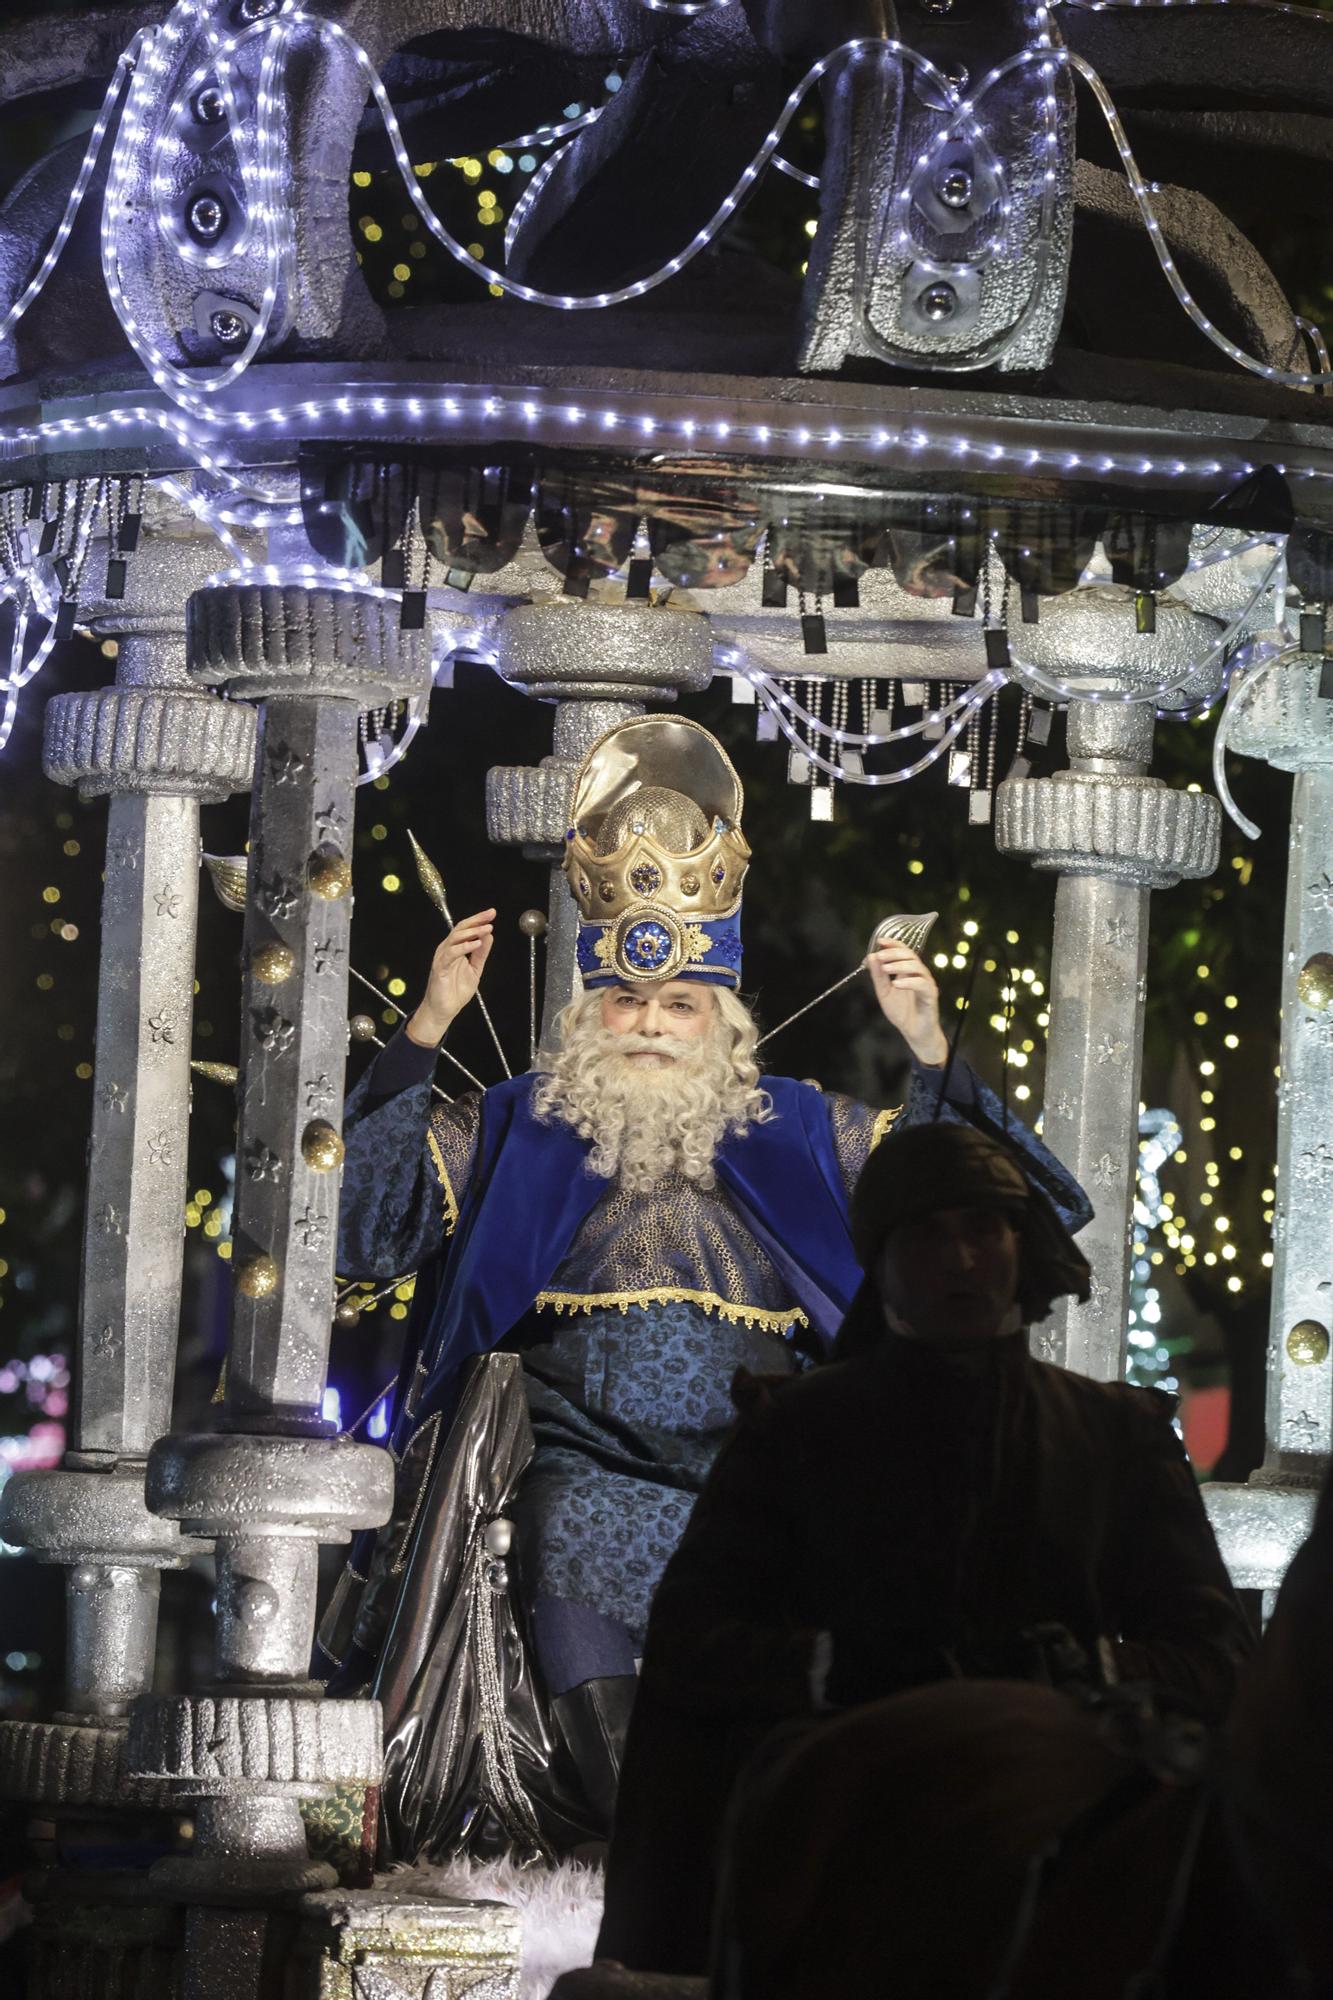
{"x": 361, "y": 1028}
{"x": 532, "y": 923}
{"x": 1314, "y": 981}
{"x": 1307, "y": 1343}
{"x": 347, "y": 1312}
{"x": 329, "y": 876}
{"x": 258, "y": 1278}
{"x": 273, "y": 963}
{"x": 321, "y": 1146}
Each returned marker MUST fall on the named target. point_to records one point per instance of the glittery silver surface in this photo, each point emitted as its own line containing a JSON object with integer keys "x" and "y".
{"x": 268, "y": 640}
{"x": 1112, "y": 834}
{"x": 1259, "y": 1529}
{"x": 863, "y": 283}
{"x": 1088, "y": 638}
{"x": 138, "y": 741}
{"x": 404, "y": 1939}
{"x": 211, "y": 1742}
{"x": 597, "y": 652}
{"x": 1287, "y": 721}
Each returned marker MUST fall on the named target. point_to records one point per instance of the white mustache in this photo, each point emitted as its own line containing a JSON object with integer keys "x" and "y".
{"x": 610, "y": 1044}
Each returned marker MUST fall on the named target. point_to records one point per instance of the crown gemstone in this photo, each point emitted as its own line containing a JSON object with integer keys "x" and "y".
{"x": 647, "y": 946}
{"x": 607, "y": 891}
{"x": 645, "y": 878}
{"x": 720, "y": 873}
{"x": 689, "y": 885}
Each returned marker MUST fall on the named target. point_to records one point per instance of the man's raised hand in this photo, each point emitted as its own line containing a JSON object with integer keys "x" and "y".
{"x": 910, "y": 999}
{"x": 455, "y": 974}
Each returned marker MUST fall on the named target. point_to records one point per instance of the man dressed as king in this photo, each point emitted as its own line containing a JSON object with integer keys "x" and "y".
{"x": 633, "y": 1220}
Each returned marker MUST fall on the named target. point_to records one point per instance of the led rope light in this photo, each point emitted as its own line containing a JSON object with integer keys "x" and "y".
{"x": 1319, "y": 347}
{"x": 191, "y": 389}
{"x": 796, "y": 173}
{"x": 529, "y": 195}
{"x": 1238, "y": 696}
{"x": 735, "y": 660}
{"x": 971, "y": 702}
{"x": 1039, "y": 680}
{"x": 125, "y": 63}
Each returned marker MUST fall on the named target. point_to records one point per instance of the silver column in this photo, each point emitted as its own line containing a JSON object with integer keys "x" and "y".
{"x": 1287, "y": 722}
{"x": 1112, "y": 834}
{"x": 600, "y": 665}
{"x": 158, "y": 747}
{"x": 272, "y": 1483}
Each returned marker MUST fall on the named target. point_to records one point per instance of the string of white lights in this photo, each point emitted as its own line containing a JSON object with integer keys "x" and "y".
{"x": 1052, "y": 687}
{"x": 734, "y": 659}
{"x": 125, "y": 63}
{"x": 796, "y": 173}
{"x": 1238, "y": 696}
{"x": 1319, "y": 347}
{"x": 971, "y": 702}
{"x": 529, "y": 195}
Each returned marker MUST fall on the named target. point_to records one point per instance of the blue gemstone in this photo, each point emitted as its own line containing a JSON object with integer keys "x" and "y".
{"x": 647, "y": 945}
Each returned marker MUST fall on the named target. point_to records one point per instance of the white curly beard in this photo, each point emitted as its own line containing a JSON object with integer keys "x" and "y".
{"x": 648, "y": 1119}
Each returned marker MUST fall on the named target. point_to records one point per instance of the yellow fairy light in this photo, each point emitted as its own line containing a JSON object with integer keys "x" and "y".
{"x": 1205, "y": 1069}
{"x": 370, "y": 229}
{"x": 224, "y": 1249}
{"x": 1205, "y": 1097}
{"x": 361, "y": 180}
{"x": 1022, "y": 1092}
{"x": 392, "y": 883}
{"x": 916, "y": 867}
{"x": 1201, "y": 1020}
{"x": 1231, "y": 1001}
{"x": 1210, "y": 1257}
{"x": 941, "y": 958}
{"x": 51, "y": 895}
{"x": 1267, "y": 1260}
{"x": 1234, "y": 1285}
{"x": 1221, "y": 1222}
{"x": 402, "y": 271}
{"x": 397, "y": 1312}
{"x": 1207, "y": 1124}
{"x": 1228, "y": 1251}
{"x": 202, "y": 1197}
{"x": 1206, "y": 1197}
{"x": 1236, "y": 1153}
{"x": 1266, "y": 1194}
{"x": 1232, "y": 1041}
{"x": 1011, "y": 937}
{"x": 397, "y": 986}
{"x": 812, "y": 226}
{"x": 1202, "y": 971}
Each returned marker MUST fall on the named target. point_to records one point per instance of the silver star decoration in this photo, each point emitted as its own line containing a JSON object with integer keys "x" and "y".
{"x": 313, "y": 1229}
{"x": 1320, "y": 892}
{"x": 284, "y": 763}
{"x": 1303, "y": 1429}
{"x": 1106, "y": 1171}
{"x": 159, "y": 1149}
{"x": 328, "y": 956}
{"x": 1109, "y": 1049}
{"x": 261, "y": 1162}
{"x": 112, "y": 1096}
{"x": 332, "y": 824}
{"x": 161, "y": 1026}
{"x": 1096, "y": 1297}
{"x": 105, "y": 1341}
{"x": 273, "y": 1031}
{"x": 277, "y": 896}
{"x": 168, "y": 902}
{"x": 318, "y": 1092}
{"x": 1118, "y": 932}
{"x": 108, "y": 1220}
{"x": 1062, "y": 1106}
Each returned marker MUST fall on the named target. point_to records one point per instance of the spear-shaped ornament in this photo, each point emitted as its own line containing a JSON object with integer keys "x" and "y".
{"x": 433, "y": 883}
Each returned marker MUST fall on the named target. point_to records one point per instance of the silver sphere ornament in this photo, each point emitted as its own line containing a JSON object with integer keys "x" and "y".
{"x": 228, "y": 327}
{"x": 939, "y": 301}
{"x": 207, "y": 218}
{"x": 209, "y": 105}
{"x": 347, "y": 1312}
{"x": 361, "y": 1028}
{"x": 532, "y": 923}
{"x": 954, "y": 188}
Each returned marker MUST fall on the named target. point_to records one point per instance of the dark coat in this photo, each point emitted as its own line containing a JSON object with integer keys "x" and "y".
{"x": 923, "y": 1513}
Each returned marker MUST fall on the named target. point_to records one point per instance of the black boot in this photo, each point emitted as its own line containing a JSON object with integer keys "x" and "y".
{"x": 593, "y": 1718}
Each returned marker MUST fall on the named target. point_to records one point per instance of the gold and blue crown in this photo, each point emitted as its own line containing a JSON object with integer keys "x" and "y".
{"x": 656, "y": 857}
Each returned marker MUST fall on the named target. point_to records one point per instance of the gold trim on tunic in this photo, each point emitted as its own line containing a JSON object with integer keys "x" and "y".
{"x": 884, "y": 1123}
{"x": 446, "y": 1185}
{"x": 711, "y": 1302}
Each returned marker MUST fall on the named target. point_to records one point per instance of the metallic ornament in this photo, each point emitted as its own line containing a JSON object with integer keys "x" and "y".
{"x": 228, "y": 327}
{"x": 532, "y": 923}
{"x": 1307, "y": 1343}
{"x": 911, "y": 931}
{"x": 227, "y": 873}
{"x": 257, "y": 10}
{"x": 347, "y": 1312}
{"x": 273, "y": 963}
{"x": 954, "y": 187}
{"x": 329, "y": 876}
{"x": 499, "y": 1536}
{"x": 209, "y": 105}
{"x": 938, "y": 301}
{"x": 689, "y": 885}
{"x": 361, "y": 1027}
{"x": 429, "y": 876}
{"x": 1314, "y": 981}
{"x": 321, "y": 1146}
{"x": 206, "y": 218}
{"x": 258, "y": 1278}
{"x": 216, "y": 1072}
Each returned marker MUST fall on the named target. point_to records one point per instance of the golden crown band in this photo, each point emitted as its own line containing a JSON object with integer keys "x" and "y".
{"x": 702, "y": 884}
